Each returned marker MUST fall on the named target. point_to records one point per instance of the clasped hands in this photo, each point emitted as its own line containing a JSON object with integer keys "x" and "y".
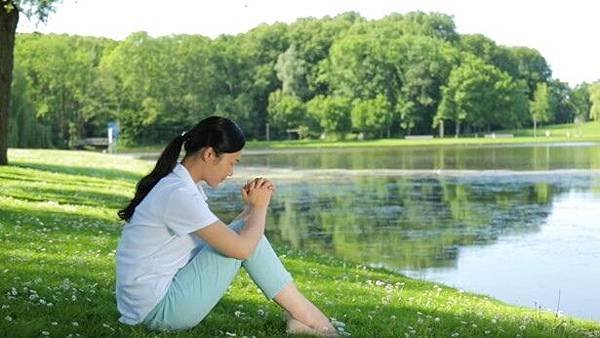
{"x": 257, "y": 192}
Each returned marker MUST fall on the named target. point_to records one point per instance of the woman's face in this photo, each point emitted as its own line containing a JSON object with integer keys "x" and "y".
{"x": 220, "y": 167}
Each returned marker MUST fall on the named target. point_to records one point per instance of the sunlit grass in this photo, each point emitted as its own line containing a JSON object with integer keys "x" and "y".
{"x": 58, "y": 234}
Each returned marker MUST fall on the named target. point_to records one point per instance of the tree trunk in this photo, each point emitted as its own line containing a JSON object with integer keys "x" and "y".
{"x": 534, "y": 127}
{"x": 8, "y": 27}
{"x": 457, "y": 128}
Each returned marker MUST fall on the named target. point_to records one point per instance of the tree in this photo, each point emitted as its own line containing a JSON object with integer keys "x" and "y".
{"x": 595, "y": 101}
{"x": 481, "y": 95}
{"x": 332, "y": 112}
{"x": 373, "y": 115}
{"x": 291, "y": 70}
{"x": 581, "y": 101}
{"x": 286, "y": 112}
{"x": 24, "y": 129}
{"x": 9, "y": 17}
{"x": 531, "y": 66}
{"x": 561, "y": 103}
{"x": 540, "y": 105}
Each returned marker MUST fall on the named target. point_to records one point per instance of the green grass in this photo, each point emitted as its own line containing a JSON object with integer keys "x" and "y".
{"x": 586, "y": 132}
{"x": 58, "y": 234}
{"x": 569, "y": 130}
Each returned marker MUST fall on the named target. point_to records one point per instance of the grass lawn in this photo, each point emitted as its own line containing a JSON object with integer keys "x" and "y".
{"x": 59, "y": 232}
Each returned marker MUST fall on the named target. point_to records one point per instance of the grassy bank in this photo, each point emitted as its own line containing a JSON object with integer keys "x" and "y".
{"x": 58, "y": 234}
{"x": 587, "y": 132}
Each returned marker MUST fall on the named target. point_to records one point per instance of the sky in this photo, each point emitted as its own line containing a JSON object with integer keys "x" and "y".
{"x": 566, "y": 33}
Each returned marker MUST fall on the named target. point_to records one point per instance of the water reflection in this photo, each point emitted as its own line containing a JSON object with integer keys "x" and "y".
{"x": 407, "y": 222}
{"x": 485, "y": 157}
{"x": 477, "y": 218}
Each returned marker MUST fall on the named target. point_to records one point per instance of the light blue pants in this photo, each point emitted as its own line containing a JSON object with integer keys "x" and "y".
{"x": 199, "y": 285}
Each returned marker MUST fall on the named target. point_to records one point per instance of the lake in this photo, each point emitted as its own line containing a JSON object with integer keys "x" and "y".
{"x": 520, "y": 223}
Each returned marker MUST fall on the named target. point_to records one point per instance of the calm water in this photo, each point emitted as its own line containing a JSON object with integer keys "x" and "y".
{"x": 519, "y": 223}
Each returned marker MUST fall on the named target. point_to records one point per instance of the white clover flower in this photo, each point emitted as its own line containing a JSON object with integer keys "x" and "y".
{"x": 8, "y": 318}
{"x": 75, "y": 324}
{"x": 45, "y": 333}
{"x": 54, "y": 323}
{"x": 337, "y": 323}
{"x": 437, "y": 319}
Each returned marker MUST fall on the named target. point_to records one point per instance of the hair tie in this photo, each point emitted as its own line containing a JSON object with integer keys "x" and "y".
{"x": 185, "y": 135}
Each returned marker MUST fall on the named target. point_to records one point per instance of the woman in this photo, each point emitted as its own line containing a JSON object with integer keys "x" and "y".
{"x": 176, "y": 259}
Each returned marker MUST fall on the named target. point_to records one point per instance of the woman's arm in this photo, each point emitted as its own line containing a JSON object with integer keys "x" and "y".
{"x": 246, "y": 211}
{"x": 241, "y": 246}
{"x": 244, "y": 214}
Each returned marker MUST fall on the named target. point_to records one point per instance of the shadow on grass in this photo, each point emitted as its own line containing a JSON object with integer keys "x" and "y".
{"x": 69, "y": 196}
{"x": 82, "y": 171}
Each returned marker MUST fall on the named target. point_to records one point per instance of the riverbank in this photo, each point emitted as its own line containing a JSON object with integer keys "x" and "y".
{"x": 59, "y": 232}
{"x": 563, "y": 133}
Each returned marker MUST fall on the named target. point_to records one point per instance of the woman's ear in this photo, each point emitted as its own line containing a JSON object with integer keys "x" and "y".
{"x": 208, "y": 154}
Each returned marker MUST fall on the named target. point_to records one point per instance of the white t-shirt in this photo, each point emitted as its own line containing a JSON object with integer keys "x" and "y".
{"x": 158, "y": 241}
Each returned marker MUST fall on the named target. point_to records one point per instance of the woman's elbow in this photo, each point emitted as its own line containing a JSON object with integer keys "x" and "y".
{"x": 243, "y": 253}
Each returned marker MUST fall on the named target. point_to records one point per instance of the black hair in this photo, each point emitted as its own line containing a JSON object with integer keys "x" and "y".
{"x": 220, "y": 133}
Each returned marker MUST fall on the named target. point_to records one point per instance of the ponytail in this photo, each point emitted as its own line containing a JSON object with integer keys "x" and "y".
{"x": 222, "y": 134}
{"x": 165, "y": 164}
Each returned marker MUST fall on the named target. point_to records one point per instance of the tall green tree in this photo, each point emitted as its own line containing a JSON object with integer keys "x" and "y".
{"x": 595, "y": 101}
{"x": 332, "y": 112}
{"x": 580, "y": 98}
{"x": 531, "y": 67}
{"x": 9, "y": 18}
{"x": 25, "y": 131}
{"x": 292, "y": 71}
{"x": 63, "y": 82}
{"x": 372, "y": 116}
{"x": 286, "y": 112}
{"x": 478, "y": 93}
{"x": 540, "y": 106}
{"x": 561, "y": 103}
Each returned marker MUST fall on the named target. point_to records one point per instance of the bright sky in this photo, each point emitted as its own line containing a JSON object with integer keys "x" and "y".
{"x": 565, "y": 32}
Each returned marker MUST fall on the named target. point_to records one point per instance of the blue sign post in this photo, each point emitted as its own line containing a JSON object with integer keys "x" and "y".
{"x": 113, "y": 136}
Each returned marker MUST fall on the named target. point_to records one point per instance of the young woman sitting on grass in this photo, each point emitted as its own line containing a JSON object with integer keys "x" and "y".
{"x": 176, "y": 259}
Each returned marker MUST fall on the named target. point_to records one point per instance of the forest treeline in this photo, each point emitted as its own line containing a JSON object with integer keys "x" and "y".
{"x": 342, "y": 76}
